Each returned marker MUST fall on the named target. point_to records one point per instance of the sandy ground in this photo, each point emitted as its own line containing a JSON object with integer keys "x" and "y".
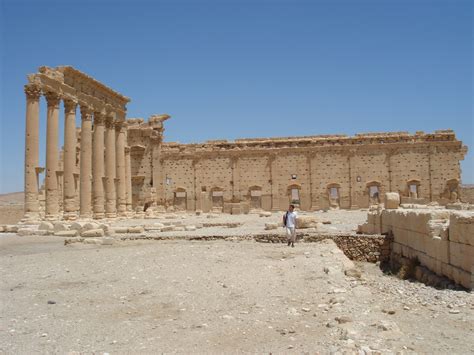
{"x": 220, "y": 296}
{"x": 217, "y": 296}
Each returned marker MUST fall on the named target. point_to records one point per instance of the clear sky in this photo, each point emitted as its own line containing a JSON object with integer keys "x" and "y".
{"x": 233, "y": 69}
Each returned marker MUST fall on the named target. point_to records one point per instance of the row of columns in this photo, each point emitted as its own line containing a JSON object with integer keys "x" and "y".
{"x": 104, "y": 180}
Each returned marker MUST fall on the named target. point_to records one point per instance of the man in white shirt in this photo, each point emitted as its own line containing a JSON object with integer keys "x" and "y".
{"x": 289, "y": 221}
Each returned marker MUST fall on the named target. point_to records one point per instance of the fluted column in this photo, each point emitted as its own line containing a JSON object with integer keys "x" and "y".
{"x": 98, "y": 165}
{"x": 121, "y": 128}
{"x": 69, "y": 159}
{"x": 110, "y": 197}
{"x": 52, "y": 156}
{"x": 128, "y": 179}
{"x": 86, "y": 163}
{"x": 33, "y": 94}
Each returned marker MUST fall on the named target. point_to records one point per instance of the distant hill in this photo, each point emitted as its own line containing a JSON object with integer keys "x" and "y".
{"x": 12, "y": 198}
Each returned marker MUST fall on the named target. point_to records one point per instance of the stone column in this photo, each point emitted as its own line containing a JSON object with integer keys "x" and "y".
{"x": 86, "y": 163}
{"x": 69, "y": 159}
{"x": 128, "y": 179}
{"x": 33, "y": 94}
{"x": 121, "y": 128}
{"x": 98, "y": 165}
{"x": 110, "y": 197}
{"x": 52, "y": 156}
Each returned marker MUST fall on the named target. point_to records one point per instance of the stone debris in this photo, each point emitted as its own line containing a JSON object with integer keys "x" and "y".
{"x": 270, "y": 226}
{"x": 93, "y": 233}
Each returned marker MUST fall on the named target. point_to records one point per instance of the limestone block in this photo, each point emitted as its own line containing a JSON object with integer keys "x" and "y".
{"x": 2, "y": 229}
{"x": 153, "y": 227}
{"x": 392, "y": 200}
{"x": 438, "y": 249}
{"x": 105, "y": 227}
{"x": 11, "y": 228}
{"x": 136, "y": 229}
{"x": 212, "y": 215}
{"x": 25, "y": 231}
{"x": 265, "y": 214}
{"x": 47, "y": 226}
{"x": 461, "y": 227}
{"x": 461, "y": 256}
{"x": 462, "y": 277}
{"x": 190, "y": 228}
{"x": 76, "y": 226}
{"x": 158, "y": 224}
{"x": 69, "y": 233}
{"x": 92, "y": 240}
{"x": 93, "y": 233}
{"x": 438, "y": 228}
{"x": 306, "y": 222}
{"x": 270, "y": 226}
{"x": 167, "y": 228}
{"x": 178, "y": 228}
{"x": 120, "y": 230}
{"x": 170, "y": 216}
{"x": 89, "y": 226}
{"x": 60, "y": 226}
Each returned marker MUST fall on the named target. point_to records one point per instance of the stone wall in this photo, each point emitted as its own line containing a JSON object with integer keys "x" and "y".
{"x": 467, "y": 193}
{"x": 441, "y": 240}
{"x": 314, "y": 172}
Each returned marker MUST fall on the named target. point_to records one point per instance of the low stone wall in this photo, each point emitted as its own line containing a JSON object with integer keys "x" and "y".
{"x": 371, "y": 248}
{"x": 440, "y": 240}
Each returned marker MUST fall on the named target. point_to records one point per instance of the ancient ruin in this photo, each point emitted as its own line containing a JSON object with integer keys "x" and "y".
{"x": 113, "y": 165}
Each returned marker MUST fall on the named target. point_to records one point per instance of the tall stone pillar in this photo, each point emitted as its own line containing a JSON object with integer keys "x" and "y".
{"x": 128, "y": 179}
{"x": 33, "y": 94}
{"x": 69, "y": 159}
{"x": 98, "y": 165}
{"x": 110, "y": 161}
{"x": 86, "y": 163}
{"x": 121, "y": 128}
{"x": 52, "y": 156}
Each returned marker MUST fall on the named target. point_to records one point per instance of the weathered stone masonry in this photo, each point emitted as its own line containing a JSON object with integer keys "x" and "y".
{"x": 316, "y": 172}
{"x": 111, "y": 165}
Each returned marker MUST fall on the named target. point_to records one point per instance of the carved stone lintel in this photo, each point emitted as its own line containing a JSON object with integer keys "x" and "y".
{"x": 32, "y": 91}
{"x": 52, "y": 98}
{"x": 70, "y": 105}
{"x": 99, "y": 118}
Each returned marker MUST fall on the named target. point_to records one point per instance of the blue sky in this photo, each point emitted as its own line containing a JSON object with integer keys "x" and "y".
{"x": 233, "y": 69}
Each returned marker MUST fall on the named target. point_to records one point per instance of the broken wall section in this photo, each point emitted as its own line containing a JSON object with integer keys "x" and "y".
{"x": 441, "y": 240}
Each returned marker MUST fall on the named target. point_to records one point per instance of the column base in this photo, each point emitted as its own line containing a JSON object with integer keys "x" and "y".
{"x": 111, "y": 215}
{"x": 85, "y": 215}
{"x": 52, "y": 217}
{"x": 99, "y": 215}
{"x": 31, "y": 216}
{"x": 70, "y": 216}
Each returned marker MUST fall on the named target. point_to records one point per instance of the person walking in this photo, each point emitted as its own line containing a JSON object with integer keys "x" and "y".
{"x": 289, "y": 222}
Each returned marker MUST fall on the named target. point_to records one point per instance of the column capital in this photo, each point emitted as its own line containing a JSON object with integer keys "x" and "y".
{"x": 109, "y": 121}
{"x": 52, "y": 98}
{"x": 70, "y": 105}
{"x": 86, "y": 112}
{"x": 121, "y": 125}
{"x": 32, "y": 91}
{"x": 99, "y": 118}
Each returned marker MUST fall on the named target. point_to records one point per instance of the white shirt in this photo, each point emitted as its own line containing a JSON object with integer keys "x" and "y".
{"x": 291, "y": 219}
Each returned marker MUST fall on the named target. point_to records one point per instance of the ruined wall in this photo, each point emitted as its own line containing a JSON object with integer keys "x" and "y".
{"x": 441, "y": 240}
{"x": 315, "y": 172}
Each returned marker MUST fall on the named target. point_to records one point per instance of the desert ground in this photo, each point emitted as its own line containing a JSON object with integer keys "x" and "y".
{"x": 232, "y": 296}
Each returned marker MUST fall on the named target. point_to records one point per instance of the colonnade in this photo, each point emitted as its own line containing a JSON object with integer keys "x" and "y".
{"x": 105, "y": 188}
